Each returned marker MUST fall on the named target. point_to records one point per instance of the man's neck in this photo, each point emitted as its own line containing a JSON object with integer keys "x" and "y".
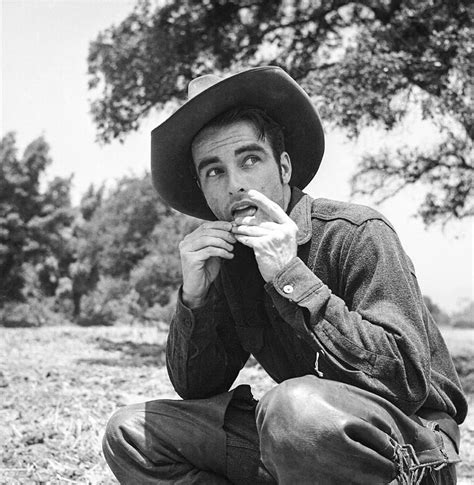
{"x": 286, "y": 197}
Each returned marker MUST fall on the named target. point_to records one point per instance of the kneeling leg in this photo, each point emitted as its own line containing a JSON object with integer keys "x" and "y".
{"x": 167, "y": 442}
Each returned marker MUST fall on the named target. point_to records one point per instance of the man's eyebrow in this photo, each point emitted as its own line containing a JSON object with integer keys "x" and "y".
{"x": 252, "y": 147}
{"x": 205, "y": 162}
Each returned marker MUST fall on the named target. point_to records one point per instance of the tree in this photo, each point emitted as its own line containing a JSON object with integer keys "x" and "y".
{"x": 158, "y": 274}
{"x": 117, "y": 235}
{"x": 366, "y": 63}
{"x": 91, "y": 201}
{"x": 130, "y": 236}
{"x": 34, "y": 224}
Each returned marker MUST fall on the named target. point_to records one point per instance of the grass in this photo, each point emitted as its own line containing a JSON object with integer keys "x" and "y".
{"x": 60, "y": 385}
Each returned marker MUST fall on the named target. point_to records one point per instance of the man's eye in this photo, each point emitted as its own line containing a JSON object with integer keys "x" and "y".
{"x": 213, "y": 172}
{"x": 249, "y": 161}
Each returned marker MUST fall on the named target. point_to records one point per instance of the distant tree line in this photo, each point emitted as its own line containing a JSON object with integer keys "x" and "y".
{"x": 112, "y": 258}
{"x": 462, "y": 318}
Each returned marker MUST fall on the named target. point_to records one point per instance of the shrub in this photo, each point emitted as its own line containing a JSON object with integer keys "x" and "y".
{"x": 32, "y": 313}
{"x": 156, "y": 278}
{"x": 20, "y": 315}
{"x": 161, "y": 314}
{"x": 110, "y": 302}
{"x": 465, "y": 317}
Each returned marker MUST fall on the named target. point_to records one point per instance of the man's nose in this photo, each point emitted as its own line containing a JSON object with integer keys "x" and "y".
{"x": 236, "y": 183}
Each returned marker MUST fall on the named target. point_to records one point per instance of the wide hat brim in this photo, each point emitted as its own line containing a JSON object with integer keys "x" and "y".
{"x": 268, "y": 88}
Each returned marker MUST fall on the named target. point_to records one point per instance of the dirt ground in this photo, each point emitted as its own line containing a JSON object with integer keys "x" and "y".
{"x": 60, "y": 385}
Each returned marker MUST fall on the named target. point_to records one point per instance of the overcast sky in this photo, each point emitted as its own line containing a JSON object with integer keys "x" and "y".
{"x": 44, "y": 91}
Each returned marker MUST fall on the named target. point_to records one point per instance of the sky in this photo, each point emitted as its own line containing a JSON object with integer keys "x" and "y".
{"x": 43, "y": 91}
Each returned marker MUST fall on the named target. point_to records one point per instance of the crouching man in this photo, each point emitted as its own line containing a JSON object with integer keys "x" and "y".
{"x": 320, "y": 292}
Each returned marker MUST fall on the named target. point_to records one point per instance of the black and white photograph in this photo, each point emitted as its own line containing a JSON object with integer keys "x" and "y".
{"x": 236, "y": 242}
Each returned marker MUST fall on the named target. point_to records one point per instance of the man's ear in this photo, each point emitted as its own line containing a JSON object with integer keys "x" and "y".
{"x": 285, "y": 167}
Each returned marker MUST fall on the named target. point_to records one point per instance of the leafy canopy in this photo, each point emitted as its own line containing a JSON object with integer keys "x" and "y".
{"x": 366, "y": 63}
{"x": 34, "y": 223}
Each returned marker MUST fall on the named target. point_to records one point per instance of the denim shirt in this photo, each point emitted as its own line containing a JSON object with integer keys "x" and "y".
{"x": 346, "y": 308}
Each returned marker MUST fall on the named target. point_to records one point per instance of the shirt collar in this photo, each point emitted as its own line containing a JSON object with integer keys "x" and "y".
{"x": 299, "y": 210}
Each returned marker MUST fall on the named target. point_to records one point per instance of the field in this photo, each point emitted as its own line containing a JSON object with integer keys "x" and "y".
{"x": 59, "y": 385}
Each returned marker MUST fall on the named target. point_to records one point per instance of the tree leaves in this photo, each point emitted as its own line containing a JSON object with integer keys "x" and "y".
{"x": 33, "y": 223}
{"x": 365, "y": 63}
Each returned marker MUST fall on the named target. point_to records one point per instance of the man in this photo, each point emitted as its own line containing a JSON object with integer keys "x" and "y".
{"x": 320, "y": 292}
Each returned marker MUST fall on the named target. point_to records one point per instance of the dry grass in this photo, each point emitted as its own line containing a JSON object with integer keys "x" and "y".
{"x": 62, "y": 383}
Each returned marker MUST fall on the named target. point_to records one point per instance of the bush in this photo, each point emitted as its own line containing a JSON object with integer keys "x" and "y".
{"x": 20, "y": 315}
{"x": 110, "y": 302}
{"x": 463, "y": 323}
{"x": 157, "y": 276}
{"x": 465, "y": 317}
{"x": 440, "y": 316}
{"x": 30, "y": 314}
{"x": 161, "y": 313}
{"x": 98, "y": 313}
{"x": 464, "y": 364}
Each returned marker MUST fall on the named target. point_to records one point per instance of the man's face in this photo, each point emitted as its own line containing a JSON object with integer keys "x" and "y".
{"x": 229, "y": 161}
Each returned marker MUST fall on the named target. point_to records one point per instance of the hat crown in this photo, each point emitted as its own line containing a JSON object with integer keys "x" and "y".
{"x": 201, "y": 83}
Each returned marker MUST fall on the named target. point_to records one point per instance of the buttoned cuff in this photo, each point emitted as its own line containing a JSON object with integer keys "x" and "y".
{"x": 186, "y": 317}
{"x": 296, "y": 287}
{"x": 296, "y": 281}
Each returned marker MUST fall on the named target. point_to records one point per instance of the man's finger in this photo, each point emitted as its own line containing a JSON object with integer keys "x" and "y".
{"x": 253, "y": 221}
{"x": 247, "y": 221}
{"x": 205, "y": 241}
{"x": 270, "y": 207}
{"x": 246, "y": 240}
{"x": 210, "y": 252}
{"x": 222, "y": 225}
{"x": 254, "y": 231}
{"x": 223, "y": 234}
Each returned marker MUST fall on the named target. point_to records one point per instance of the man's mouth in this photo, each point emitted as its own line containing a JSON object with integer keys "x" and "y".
{"x": 243, "y": 210}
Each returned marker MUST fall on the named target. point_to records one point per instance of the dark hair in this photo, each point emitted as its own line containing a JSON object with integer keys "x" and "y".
{"x": 266, "y": 127}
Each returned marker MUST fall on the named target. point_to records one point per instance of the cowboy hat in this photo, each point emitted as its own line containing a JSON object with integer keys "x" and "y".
{"x": 268, "y": 88}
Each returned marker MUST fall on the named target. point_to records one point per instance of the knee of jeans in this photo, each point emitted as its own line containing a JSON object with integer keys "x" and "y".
{"x": 122, "y": 420}
{"x": 295, "y": 408}
{"x": 291, "y": 398}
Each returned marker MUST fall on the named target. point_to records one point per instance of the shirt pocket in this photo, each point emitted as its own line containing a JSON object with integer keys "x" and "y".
{"x": 345, "y": 354}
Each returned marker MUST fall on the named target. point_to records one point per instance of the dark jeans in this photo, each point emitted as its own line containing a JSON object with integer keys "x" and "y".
{"x": 303, "y": 431}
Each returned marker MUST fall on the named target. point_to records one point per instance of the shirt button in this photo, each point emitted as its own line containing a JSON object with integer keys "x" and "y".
{"x": 288, "y": 289}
